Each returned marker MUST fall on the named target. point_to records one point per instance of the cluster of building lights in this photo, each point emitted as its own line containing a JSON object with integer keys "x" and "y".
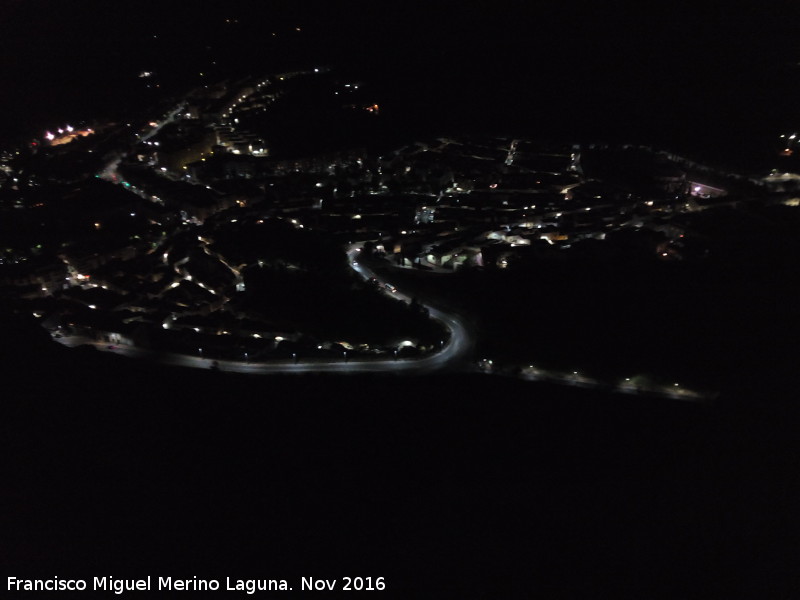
{"x": 790, "y": 141}
{"x": 66, "y": 135}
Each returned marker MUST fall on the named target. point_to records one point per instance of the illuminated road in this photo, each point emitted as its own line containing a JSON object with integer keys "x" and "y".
{"x": 454, "y": 354}
{"x": 109, "y": 172}
{"x": 457, "y": 349}
{"x": 400, "y": 366}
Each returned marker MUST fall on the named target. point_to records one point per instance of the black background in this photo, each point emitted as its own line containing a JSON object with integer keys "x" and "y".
{"x": 713, "y": 81}
{"x": 449, "y": 486}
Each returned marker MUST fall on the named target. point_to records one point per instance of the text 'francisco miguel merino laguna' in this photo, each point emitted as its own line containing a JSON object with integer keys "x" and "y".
{"x": 172, "y": 584}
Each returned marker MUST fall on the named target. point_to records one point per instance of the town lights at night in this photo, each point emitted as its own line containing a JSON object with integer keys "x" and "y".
{"x": 476, "y": 300}
{"x": 66, "y": 134}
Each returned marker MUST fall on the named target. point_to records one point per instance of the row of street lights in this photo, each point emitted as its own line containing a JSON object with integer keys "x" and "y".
{"x": 295, "y": 357}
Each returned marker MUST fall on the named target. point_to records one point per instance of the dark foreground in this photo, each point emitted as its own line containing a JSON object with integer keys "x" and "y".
{"x": 447, "y": 486}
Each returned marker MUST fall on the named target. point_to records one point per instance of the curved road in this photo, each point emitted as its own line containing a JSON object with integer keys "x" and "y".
{"x": 453, "y": 354}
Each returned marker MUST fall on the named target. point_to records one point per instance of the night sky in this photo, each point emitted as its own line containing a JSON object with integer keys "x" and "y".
{"x": 719, "y": 82}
